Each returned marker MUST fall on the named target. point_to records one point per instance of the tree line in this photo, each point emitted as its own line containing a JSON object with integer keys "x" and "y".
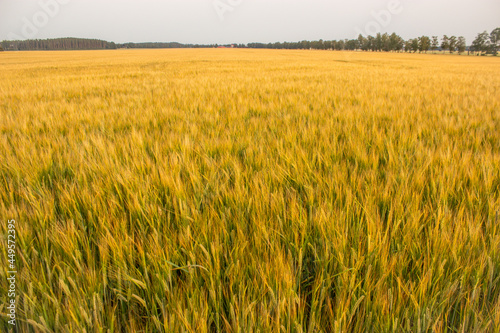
{"x": 57, "y": 44}
{"x": 485, "y": 43}
{"x": 86, "y": 44}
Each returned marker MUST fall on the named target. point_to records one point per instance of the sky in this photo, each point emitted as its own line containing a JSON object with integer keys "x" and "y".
{"x": 243, "y": 21}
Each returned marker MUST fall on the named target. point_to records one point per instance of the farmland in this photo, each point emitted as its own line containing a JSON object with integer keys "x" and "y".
{"x": 251, "y": 191}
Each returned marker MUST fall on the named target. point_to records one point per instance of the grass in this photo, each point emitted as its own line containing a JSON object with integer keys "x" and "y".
{"x": 251, "y": 191}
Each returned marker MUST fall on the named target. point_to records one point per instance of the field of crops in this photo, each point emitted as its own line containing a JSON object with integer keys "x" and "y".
{"x": 251, "y": 191}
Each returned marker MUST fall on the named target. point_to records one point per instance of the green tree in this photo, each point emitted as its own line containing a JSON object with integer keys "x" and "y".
{"x": 495, "y": 40}
{"x": 461, "y": 44}
{"x": 317, "y": 45}
{"x": 414, "y": 45}
{"x": 411, "y": 45}
{"x": 386, "y": 42}
{"x": 424, "y": 44}
{"x": 362, "y": 42}
{"x": 481, "y": 43}
{"x": 453, "y": 43}
{"x": 435, "y": 43}
{"x": 352, "y": 44}
{"x": 408, "y": 45}
{"x": 396, "y": 42}
{"x": 378, "y": 42}
{"x": 445, "y": 43}
{"x": 370, "y": 43}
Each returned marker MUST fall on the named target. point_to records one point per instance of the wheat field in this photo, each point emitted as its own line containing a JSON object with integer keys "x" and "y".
{"x": 241, "y": 190}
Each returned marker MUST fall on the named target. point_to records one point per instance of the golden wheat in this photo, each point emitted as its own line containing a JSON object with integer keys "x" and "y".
{"x": 251, "y": 191}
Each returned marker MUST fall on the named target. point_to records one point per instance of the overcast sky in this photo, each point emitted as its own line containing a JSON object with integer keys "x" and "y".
{"x": 243, "y": 21}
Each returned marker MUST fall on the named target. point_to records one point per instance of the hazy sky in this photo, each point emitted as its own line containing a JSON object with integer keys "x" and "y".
{"x": 243, "y": 21}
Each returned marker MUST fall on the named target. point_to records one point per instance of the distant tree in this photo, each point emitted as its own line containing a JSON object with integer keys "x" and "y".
{"x": 495, "y": 40}
{"x": 317, "y": 45}
{"x": 341, "y": 45}
{"x": 386, "y": 43}
{"x": 435, "y": 43}
{"x": 424, "y": 44}
{"x": 371, "y": 43}
{"x": 481, "y": 43}
{"x": 351, "y": 44}
{"x": 452, "y": 43}
{"x": 361, "y": 42}
{"x": 1, "y": 48}
{"x": 396, "y": 42}
{"x": 414, "y": 45}
{"x": 411, "y": 45}
{"x": 445, "y": 43}
{"x": 305, "y": 45}
{"x": 378, "y": 42}
{"x": 407, "y": 45}
{"x": 461, "y": 44}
